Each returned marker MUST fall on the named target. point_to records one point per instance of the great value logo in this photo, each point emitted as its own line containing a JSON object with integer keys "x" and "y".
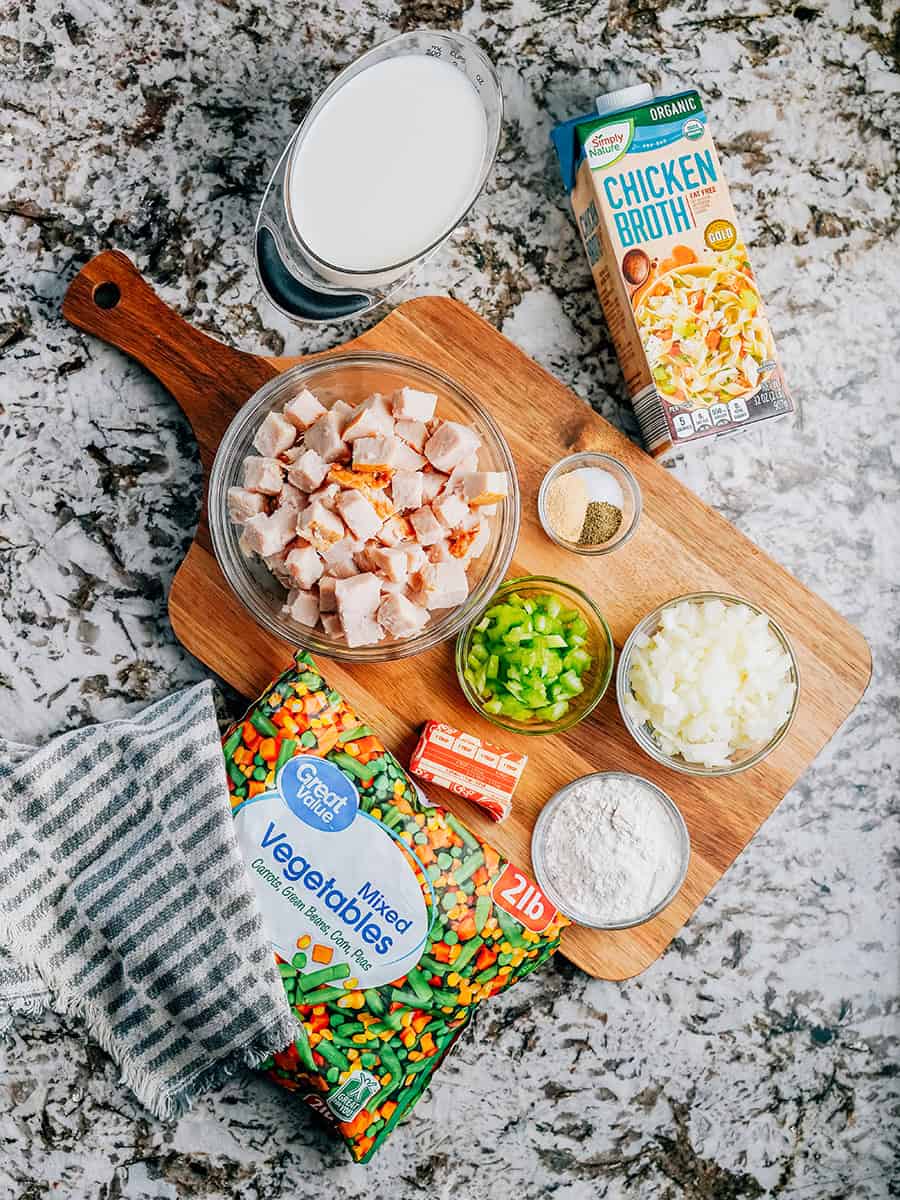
{"x": 317, "y": 792}
{"x": 607, "y": 144}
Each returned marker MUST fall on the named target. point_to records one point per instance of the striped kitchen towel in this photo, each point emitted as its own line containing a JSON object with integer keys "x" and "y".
{"x": 124, "y": 901}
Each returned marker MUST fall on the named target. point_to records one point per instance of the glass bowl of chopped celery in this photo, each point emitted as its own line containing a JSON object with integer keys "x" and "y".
{"x": 539, "y": 658}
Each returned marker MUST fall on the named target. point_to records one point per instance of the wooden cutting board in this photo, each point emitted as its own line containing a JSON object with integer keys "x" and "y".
{"x": 680, "y": 546}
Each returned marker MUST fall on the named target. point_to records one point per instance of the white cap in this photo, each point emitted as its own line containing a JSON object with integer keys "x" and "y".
{"x": 624, "y": 97}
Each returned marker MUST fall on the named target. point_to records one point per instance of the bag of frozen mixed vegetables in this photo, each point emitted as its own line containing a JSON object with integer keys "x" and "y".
{"x": 389, "y": 919}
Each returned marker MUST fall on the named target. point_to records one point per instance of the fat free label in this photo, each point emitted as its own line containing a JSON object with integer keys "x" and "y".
{"x": 322, "y": 868}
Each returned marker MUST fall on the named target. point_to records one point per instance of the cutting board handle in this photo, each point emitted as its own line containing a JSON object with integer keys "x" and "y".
{"x": 111, "y": 299}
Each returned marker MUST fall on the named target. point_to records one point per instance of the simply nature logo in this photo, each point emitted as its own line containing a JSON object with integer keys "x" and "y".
{"x": 607, "y": 144}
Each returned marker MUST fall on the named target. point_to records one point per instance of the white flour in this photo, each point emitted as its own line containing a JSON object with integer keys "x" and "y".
{"x": 611, "y": 850}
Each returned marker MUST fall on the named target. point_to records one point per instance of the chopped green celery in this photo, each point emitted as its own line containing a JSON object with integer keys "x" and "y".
{"x": 515, "y": 688}
{"x": 571, "y": 682}
{"x": 534, "y": 697}
{"x": 555, "y": 642}
{"x": 552, "y": 606}
{"x": 479, "y": 653}
{"x": 540, "y": 622}
{"x": 511, "y": 708}
{"x": 569, "y": 614}
{"x": 513, "y": 672}
{"x": 552, "y": 664}
{"x": 515, "y": 599}
{"x": 482, "y": 624}
{"x": 578, "y": 660}
{"x": 519, "y": 633}
{"x": 579, "y": 627}
{"x": 494, "y": 706}
{"x": 576, "y": 640}
{"x": 493, "y": 667}
{"x": 553, "y": 712}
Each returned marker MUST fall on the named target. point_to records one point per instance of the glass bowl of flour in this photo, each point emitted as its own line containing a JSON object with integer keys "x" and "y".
{"x": 610, "y": 850}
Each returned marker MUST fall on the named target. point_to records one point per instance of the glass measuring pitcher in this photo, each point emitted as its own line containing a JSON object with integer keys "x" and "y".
{"x": 308, "y": 285}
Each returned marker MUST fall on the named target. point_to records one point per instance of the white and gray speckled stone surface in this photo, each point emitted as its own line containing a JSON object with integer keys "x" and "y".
{"x": 759, "y": 1056}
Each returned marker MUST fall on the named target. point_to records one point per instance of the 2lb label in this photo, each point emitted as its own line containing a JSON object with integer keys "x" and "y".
{"x": 523, "y": 899}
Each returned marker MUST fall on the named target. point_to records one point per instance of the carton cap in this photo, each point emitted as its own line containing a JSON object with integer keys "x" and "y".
{"x": 625, "y": 97}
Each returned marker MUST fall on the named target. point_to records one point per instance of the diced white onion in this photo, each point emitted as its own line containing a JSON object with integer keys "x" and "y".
{"x": 712, "y": 681}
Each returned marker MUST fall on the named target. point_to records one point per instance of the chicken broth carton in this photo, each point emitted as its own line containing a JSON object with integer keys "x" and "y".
{"x": 671, "y": 268}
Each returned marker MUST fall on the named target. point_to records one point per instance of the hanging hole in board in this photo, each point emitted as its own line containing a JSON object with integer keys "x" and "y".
{"x": 106, "y": 295}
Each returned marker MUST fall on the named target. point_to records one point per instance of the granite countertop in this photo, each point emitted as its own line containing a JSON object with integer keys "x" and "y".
{"x": 758, "y": 1056}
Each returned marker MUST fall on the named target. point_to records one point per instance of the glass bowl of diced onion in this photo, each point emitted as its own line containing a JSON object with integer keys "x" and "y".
{"x": 353, "y": 377}
{"x": 778, "y": 658}
{"x": 498, "y": 677}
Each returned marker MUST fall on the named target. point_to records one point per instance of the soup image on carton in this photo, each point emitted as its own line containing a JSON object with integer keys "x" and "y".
{"x": 671, "y": 268}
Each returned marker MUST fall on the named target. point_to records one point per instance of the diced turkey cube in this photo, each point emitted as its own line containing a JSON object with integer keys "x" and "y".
{"x": 357, "y": 600}
{"x": 410, "y": 405}
{"x": 326, "y": 495}
{"x": 407, "y": 459}
{"x": 450, "y": 509}
{"x": 359, "y": 596}
{"x": 274, "y": 436}
{"x": 415, "y": 557}
{"x": 364, "y": 559}
{"x": 266, "y": 535}
{"x": 375, "y": 453}
{"x": 432, "y": 483}
{"x": 392, "y": 587}
{"x": 443, "y": 585}
{"x": 308, "y": 471}
{"x": 414, "y": 433}
{"x": 331, "y": 623}
{"x": 362, "y": 631}
{"x": 245, "y": 546}
{"x": 264, "y": 475}
{"x": 450, "y": 444}
{"x": 345, "y": 548}
{"x": 340, "y": 558}
{"x": 327, "y": 601}
{"x": 242, "y": 504}
{"x": 468, "y": 466}
{"x": 360, "y": 517}
{"x": 289, "y": 457}
{"x": 399, "y": 617}
{"x": 391, "y": 562}
{"x": 303, "y": 607}
{"x": 277, "y": 565}
{"x": 303, "y": 410}
{"x": 426, "y": 526}
{"x": 485, "y": 487}
{"x": 406, "y": 490}
{"x": 439, "y": 551}
{"x": 373, "y": 418}
{"x": 320, "y": 526}
{"x": 342, "y": 411}
{"x": 304, "y": 566}
{"x": 479, "y": 543}
{"x": 325, "y": 438}
{"x": 396, "y": 530}
{"x": 291, "y": 497}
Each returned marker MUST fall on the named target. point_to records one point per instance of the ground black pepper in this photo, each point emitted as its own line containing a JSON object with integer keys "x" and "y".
{"x": 601, "y": 522}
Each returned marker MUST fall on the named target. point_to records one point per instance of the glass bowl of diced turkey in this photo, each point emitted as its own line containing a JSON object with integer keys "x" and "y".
{"x": 363, "y": 506}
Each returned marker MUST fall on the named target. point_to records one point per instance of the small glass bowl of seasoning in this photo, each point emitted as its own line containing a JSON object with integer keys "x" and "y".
{"x": 589, "y": 503}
